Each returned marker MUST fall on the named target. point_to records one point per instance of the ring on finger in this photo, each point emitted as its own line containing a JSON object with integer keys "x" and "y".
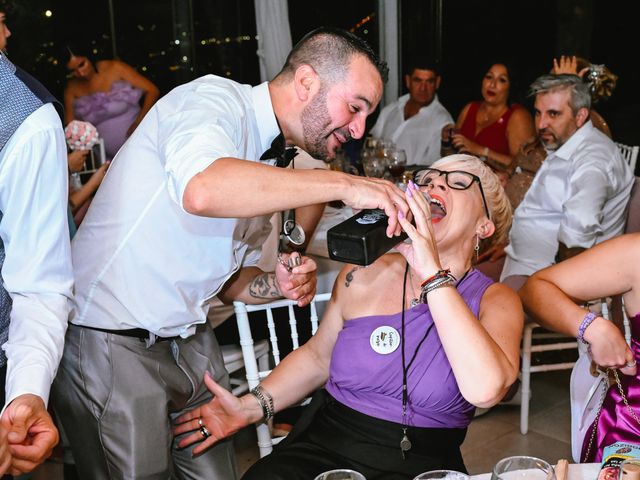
{"x": 633, "y": 363}
{"x": 204, "y": 432}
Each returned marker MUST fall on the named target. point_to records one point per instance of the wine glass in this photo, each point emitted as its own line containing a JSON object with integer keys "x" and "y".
{"x": 522, "y": 468}
{"x": 397, "y": 163}
{"x": 442, "y": 475}
{"x": 341, "y": 474}
{"x": 374, "y": 166}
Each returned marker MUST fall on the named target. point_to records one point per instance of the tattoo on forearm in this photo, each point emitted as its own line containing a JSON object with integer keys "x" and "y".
{"x": 349, "y": 277}
{"x": 264, "y": 286}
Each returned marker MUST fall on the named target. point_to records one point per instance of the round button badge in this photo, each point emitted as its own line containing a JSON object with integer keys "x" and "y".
{"x": 384, "y": 340}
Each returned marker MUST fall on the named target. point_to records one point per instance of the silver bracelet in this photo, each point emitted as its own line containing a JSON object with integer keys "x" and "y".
{"x": 265, "y": 400}
{"x": 446, "y": 281}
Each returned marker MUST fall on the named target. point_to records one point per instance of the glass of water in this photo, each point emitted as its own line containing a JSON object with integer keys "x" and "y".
{"x": 442, "y": 475}
{"x": 341, "y": 474}
{"x": 523, "y": 468}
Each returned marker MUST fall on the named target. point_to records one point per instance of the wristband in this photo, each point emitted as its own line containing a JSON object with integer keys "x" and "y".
{"x": 586, "y": 321}
{"x": 439, "y": 274}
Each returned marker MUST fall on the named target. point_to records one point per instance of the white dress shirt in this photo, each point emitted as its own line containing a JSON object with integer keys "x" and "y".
{"x": 420, "y": 135}
{"x": 142, "y": 261}
{"x": 578, "y": 197}
{"x": 37, "y": 269}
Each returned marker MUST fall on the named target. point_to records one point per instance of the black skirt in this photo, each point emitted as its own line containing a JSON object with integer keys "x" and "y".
{"x": 330, "y": 435}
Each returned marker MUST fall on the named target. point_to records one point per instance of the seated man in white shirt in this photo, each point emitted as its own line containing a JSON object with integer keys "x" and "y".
{"x": 579, "y": 196}
{"x": 35, "y": 262}
{"x": 415, "y": 120}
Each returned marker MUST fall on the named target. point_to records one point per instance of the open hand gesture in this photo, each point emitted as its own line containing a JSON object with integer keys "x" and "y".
{"x": 222, "y": 416}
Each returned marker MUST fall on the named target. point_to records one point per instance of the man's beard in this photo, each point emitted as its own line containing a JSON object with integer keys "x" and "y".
{"x": 550, "y": 145}
{"x": 316, "y": 121}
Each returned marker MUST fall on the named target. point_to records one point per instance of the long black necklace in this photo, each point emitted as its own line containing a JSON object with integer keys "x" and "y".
{"x": 405, "y": 443}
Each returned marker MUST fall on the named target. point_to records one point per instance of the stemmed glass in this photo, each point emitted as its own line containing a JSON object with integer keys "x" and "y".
{"x": 397, "y": 164}
{"x": 522, "y": 468}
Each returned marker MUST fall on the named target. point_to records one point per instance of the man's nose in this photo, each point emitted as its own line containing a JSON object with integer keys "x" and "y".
{"x": 357, "y": 127}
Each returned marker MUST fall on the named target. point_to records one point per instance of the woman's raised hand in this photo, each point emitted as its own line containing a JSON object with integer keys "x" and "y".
{"x": 222, "y": 416}
{"x": 422, "y": 253}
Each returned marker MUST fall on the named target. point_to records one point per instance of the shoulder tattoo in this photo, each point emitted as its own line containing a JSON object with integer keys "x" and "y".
{"x": 349, "y": 277}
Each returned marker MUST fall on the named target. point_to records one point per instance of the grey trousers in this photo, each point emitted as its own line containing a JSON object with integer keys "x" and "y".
{"x": 117, "y": 399}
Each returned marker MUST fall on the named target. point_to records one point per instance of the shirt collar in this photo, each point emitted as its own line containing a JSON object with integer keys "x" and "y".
{"x": 266, "y": 122}
{"x": 402, "y": 101}
{"x": 567, "y": 150}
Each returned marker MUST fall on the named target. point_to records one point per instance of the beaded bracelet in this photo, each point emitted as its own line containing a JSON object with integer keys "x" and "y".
{"x": 439, "y": 274}
{"x": 586, "y": 321}
{"x": 265, "y": 400}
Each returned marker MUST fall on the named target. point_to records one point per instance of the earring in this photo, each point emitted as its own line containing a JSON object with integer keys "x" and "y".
{"x": 477, "y": 247}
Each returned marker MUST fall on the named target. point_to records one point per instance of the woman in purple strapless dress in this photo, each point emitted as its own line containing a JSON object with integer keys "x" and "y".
{"x": 608, "y": 269}
{"x": 405, "y": 352}
{"x": 108, "y": 94}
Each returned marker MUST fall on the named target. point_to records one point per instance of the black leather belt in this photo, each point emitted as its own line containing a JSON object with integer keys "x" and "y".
{"x": 139, "y": 333}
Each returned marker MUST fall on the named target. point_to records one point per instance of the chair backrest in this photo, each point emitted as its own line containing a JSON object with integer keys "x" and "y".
{"x": 630, "y": 154}
{"x": 254, "y": 374}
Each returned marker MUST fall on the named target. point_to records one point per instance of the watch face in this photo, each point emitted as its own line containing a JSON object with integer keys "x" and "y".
{"x": 288, "y": 227}
{"x": 296, "y": 235}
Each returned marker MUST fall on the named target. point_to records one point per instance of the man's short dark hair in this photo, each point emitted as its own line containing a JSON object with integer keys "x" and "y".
{"x": 423, "y": 63}
{"x": 329, "y": 50}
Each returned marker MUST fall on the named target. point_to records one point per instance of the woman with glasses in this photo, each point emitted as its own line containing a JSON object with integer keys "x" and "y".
{"x": 407, "y": 349}
{"x": 109, "y": 94}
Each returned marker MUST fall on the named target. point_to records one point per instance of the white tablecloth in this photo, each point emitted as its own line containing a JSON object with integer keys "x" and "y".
{"x": 577, "y": 471}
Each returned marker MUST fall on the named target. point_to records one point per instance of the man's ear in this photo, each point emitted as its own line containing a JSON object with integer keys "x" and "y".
{"x": 582, "y": 116}
{"x": 305, "y": 80}
{"x": 438, "y": 78}
{"x": 407, "y": 81}
{"x": 486, "y": 228}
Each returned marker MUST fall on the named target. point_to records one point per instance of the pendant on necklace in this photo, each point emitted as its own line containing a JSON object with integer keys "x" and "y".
{"x": 405, "y": 443}
{"x": 414, "y": 302}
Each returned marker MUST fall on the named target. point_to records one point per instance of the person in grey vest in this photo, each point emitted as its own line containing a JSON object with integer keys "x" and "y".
{"x": 35, "y": 262}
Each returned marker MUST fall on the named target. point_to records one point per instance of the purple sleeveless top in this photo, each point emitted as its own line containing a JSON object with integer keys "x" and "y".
{"x": 616, "y": 424}
{"x": 112, "y": 113}
{"x": 371, "y": 383}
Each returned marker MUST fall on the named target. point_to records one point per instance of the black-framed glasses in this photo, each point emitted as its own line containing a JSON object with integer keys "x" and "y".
{"x": 456, "y": 179}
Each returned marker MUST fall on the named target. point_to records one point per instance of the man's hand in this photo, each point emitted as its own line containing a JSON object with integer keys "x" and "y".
{"x": 299, "y": 282}
{"x": 31, "y": 433}
{"x": 367, "y": 192}
{"x": 5, "y": 453}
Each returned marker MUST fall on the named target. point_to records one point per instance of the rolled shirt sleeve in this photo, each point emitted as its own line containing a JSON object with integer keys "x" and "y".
{"x": 37, "y": 270}
{"x": 192, "y": 138}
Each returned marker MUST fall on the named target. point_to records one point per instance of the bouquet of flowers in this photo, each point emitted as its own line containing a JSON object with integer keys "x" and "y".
{"x": 81, "y": 135}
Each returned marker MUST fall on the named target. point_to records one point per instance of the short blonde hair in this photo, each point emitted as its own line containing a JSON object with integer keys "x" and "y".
{"x": 497, "y": 200}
